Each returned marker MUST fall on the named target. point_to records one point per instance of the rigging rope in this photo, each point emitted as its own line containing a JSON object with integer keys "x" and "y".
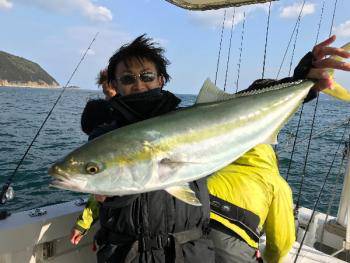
{"x": 319, "y": 196}
{"x": 222, "y": 33}
{"x": 286, "y": 147}
{"x": 334, "y": 191}
{"x": 303, "y": 174}
{"x": 240, "y": 53}
{"x": 290, "y": 40}
{"x": 294, "y": 143}
{"x": 229, "y": 48}
{"x": 10, "y": 179}
{"x": 294, "y": 46}
{"x": 266, "y": 38}
{"x": 312, "y": 127}
{"x": 319, "y": 24}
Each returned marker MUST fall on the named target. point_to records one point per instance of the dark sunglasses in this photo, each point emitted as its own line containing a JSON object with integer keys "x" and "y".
{"x": 128, "y": 79}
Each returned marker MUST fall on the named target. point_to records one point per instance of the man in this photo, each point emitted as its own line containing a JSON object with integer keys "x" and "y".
{"x": 249, "y": 195}
{"x": 139, "y": 77}
{"x": 108, "y": 89}
{"x": 154, "y": 226}
{"x": 96, "y": 113}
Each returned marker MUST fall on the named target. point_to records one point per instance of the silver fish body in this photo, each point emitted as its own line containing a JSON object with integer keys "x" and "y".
{"x": 168, "y": 151}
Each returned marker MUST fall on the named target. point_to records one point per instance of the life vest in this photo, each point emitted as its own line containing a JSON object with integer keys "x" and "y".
{"x": 250, "y": 185}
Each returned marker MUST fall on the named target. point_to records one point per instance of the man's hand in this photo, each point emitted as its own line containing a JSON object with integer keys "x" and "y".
{"x": 75, "y": 236}
{"x": 322, "y": 62}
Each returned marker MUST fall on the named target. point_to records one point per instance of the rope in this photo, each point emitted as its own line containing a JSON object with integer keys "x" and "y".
{"x": 307, "y": 153}
{"x": 319, "y": 196}
{"x": 10, "y": 179}
{"x": 286, "y": 148}
{"x": 266, "y": 38}
{"x": 319, "y": 24}
{"x": 290, "y": 40}
{"x": 331, "y": 202}
{"x": 229, "y": 49}
{"x": 312, "y": 126}
{"x": 222, "y": 33}
{"x": 240, "y": 53}
{"x": 333, "y": 16}
{"x": 294, "y": 143}
{"x": 294, "y": 46}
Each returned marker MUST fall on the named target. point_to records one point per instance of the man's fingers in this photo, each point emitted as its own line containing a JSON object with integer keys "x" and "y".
{"x": 331, "y": 63}
{"x": 77, "y": 239}
{"x": 332, "y": 51}
{"x": 325, "y": 43}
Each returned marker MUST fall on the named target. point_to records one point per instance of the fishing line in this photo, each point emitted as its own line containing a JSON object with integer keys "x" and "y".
{"x": 10, "y": 179}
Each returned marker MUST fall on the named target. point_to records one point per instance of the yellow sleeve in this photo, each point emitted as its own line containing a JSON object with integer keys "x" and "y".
{"x": 279, "y": 224}
{"x": 89, "y": 215}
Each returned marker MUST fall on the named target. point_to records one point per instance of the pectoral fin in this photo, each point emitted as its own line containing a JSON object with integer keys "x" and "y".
{"x": 184, "y": 193}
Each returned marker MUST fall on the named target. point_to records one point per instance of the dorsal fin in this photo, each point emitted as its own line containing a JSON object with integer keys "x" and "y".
{"x": 210, "y": 93}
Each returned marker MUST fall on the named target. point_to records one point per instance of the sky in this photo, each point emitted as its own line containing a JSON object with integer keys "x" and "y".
{"x": 56, "y": 33}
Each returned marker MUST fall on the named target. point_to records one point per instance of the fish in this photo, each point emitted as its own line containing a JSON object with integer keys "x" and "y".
{"x": 169, "y": 151}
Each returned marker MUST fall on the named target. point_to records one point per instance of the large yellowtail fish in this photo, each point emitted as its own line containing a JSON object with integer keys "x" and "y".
{"x": 168, "y": 151}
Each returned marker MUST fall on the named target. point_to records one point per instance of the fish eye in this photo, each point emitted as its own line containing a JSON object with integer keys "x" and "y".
{"x": 92, "y": 168}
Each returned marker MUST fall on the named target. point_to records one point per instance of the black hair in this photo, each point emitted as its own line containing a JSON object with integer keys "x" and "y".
{"x": 102, "y": 77}
{"x": 141, "y": 48}
{"x": 96, "y": 112}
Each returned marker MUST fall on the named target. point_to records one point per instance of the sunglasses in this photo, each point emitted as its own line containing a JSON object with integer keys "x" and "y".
{"x": 128, "y": 79}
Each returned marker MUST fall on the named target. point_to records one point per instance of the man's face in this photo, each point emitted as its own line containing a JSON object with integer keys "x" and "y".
{"x": 138, "y": 77}
{"x": 108, "y": 90}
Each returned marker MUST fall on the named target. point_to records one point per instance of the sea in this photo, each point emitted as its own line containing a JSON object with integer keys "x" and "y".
{"x": 23, "y": 110}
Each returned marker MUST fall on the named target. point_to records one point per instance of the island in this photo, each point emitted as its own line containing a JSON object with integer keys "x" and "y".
{"x": 20, "y": 72}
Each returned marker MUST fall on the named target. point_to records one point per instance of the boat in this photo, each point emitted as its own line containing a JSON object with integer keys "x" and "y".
{"x": 42, "y": 234}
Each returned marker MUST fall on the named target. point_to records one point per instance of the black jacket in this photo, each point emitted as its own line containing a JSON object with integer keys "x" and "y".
{"x": 140, "y": 228}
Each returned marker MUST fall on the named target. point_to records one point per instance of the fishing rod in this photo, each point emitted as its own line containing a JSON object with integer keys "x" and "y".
{"x": 7, "y": 192}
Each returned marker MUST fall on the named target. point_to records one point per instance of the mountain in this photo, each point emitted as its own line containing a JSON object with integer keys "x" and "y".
{"x": 17, "y": 71}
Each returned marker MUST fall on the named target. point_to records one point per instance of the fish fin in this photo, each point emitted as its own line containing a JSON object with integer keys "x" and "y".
{"x": 210, "y": 93}
{"x": 272, "y": 139}
{"x": 338, "y": 91}
{"x": 184, "y": 193}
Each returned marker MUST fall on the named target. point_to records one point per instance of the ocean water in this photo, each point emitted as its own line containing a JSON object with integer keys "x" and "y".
{"x": 22, "y": 110}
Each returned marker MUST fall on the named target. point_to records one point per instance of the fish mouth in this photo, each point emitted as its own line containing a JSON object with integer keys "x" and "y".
{"x": 63, "y": 180}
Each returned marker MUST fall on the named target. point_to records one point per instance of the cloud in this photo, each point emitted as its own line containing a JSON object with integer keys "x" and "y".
{"x": 214, "y": 18}
{"x": 85, "y": 7}
{"x": 5, "y": 4}
{"x": 343, "y": 30}
{"x": 293, "y": 11}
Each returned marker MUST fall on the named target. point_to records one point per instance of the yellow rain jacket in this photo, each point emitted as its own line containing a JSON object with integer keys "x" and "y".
{"x": 89, "y": 215}
{"x": 253, "y": 182}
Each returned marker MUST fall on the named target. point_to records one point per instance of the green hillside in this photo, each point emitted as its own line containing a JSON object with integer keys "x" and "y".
{"x": 15, "y": 69}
